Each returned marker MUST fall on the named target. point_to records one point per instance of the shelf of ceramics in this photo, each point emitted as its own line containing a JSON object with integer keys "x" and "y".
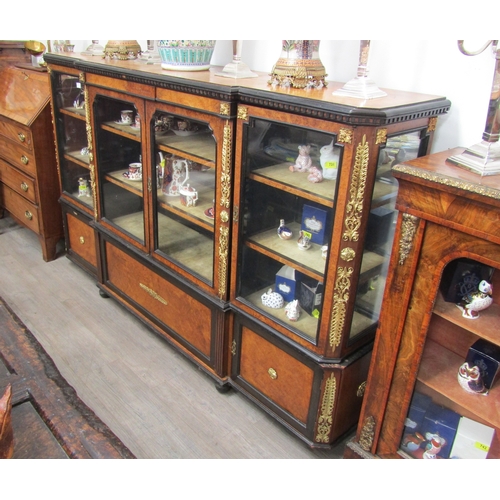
{"x": 204, "y": 183}
{"x": 78, "y": 158}
{"x": 486, "y": 326}
{"x": 127, "y": 131}
{"x": 198, "y": 147}
{"x": 117, "y": 178}
{"x": 279, "y": 176}
{"x": 438, "y": 372}
{"x": 190, "y": 248}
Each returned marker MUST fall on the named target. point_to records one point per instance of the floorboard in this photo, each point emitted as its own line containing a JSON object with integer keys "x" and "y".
{"x": 154, "y": 399}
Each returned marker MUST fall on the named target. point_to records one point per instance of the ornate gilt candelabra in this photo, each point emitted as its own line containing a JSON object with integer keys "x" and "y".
{"x": 484, "y": 157}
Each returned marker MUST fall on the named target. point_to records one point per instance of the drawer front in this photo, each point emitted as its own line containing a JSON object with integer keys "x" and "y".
{"x": 18, "y": 181}
{"x": 81, "y": 239}
{"x": 17, "y": 133}
{"x": 276, "y": 374}
{"x": 182, "y": 313}
{"x": 17, "y": 155}
{"x": 20, "y": 208}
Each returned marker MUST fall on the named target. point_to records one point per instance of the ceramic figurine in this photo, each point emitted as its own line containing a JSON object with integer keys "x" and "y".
{"x": 83, "y": 187}
{"x": 284, "y": 232}
{"x": 303, "y": 162}
{"x": 304, "y": 241}
{"x": 315, "y": 175}
{"x": 412, "y": 442}
{"x": 324, "y": 251}
{"x": 477, "y": 301}
{"x": 272, "y": 299}
{"x": 434, "y": 445}
{"x": 470, "y": 379}
{"x": 329, "y": 161}
{"x": 292, "y": 310}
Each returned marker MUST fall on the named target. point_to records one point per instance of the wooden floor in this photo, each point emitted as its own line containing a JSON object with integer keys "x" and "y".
{"x": 155, "y": 400}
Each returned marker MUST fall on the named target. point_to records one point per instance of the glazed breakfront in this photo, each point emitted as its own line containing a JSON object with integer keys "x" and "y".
{"x": 447, "y": 231}
{"x": 196, "y": 246}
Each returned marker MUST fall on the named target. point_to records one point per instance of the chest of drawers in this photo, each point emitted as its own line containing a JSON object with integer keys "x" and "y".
{"x": 29, "y": 186}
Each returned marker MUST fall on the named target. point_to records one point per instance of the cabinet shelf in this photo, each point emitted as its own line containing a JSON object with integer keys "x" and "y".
{"x": 438, "y": 371}
{"x": 287, "y": 252}
{"x": 118, "y": 179}
{"x": 78, "y": 113}
{"x": 279, "y": 176}
{"x": 199, "y": 148}
{"x": 123, "y": 130}
{"x": 78, "y": 158}
{"x": 486, "y": 326}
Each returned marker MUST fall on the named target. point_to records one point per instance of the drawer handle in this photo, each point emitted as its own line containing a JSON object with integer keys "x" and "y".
{"x": 25, "y": 160}
{"x": 24, "y": 186}
{"x": 82, "y": 240}
{"x": 21, "y": 136}
{"x": 272, "y": 373}
{"x": 28, "y": 215}
{"x": 153, "y": 294}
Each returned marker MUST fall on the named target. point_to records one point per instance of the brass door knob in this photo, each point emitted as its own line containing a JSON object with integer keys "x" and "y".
{"x": 24, "y": 186}
{"x": 82, "y": 240}
{"x": 28, "y": 215}
{"x": 21, "y": 136}
{"x": 25, "y": 160}
{"x": 272, "y": 373}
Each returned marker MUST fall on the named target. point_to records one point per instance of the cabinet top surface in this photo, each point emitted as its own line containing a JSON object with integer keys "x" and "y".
{"x": 445, "y": 176}
{"x": 23, "y": 94}
{"x": 248, "y": 86}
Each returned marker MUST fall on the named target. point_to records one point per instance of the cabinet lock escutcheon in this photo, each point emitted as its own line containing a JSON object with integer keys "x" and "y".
{"x": 24, "y": 186}
{"x": 21, "y": 136}
{"x": 82, "y": 240}
{"x": 272, "y": 373}
{"x": 24, "y": 160}
{"x": 28, "y": 215}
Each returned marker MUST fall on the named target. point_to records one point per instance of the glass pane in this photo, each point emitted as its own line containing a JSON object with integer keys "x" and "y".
{"x": 73, "y": 150}
{"x": 118, "y": 149}
{"x": 185, "y": 152}
{"x": 287, "y": 221}
{"x": 380, "y": 233}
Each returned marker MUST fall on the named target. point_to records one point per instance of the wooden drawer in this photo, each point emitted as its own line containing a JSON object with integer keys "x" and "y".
{"x": 17, "y": 181}
{"x": 81, "y": 239}
{"x": 183, "y": 314}
{"x": 18, "y": 156}
{"x": 279, "y": 376}
{"x": 20, "y": 208}
{"x": 16, "y": 133}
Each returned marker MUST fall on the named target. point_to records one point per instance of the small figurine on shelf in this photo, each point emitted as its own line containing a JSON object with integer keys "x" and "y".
{"x": 303, "y": 162}
{"x": 304, "y": 241}
{"x": 83, "y": 187}
{"x": 329, "y": 160}
{"x": 292, "y": 310}
{"x": 470, "y": 379}
{"x": 477, "y": 301}
{"x": 272, "y": 299}
{"x": 284, "y": 232}
{"x": 315, "y": 175}
{"x": 434, "y": 445}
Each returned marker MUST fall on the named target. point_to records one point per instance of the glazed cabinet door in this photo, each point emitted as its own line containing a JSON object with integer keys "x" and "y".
{"x": 118, "y": 153}
{"x": 190, "y": 193}
{"x": 285, "y": 208}
{"x": 70, "y": 120}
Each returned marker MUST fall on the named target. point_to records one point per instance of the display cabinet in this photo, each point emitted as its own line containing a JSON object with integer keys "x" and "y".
{"x": 29, "y": 185}
{"x": 191, "y": 175}
{"x": 71, "y": 120}
{"x": 446, "y": 235}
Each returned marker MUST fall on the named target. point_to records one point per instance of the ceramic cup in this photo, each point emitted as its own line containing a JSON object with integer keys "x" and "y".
{"x": 127, "y": 116}
{"x": 134, "y": 172}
